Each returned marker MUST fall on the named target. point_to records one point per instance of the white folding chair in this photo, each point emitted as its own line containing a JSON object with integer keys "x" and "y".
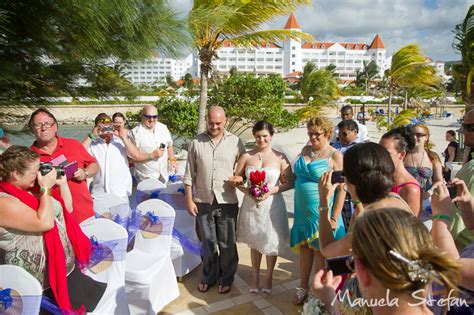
{"x": 107, "y": 201}
{"x": 114, "y": 236}
{"x": 150, "y": 277}
{"x": 26, "y": 291}
{"x": 184, "y": 260}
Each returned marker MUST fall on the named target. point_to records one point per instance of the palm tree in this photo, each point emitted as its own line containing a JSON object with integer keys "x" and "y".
{"x": 464, "y": 43}
{"x": 211, "y": 22}
{"x": 409, "y": 68}
{"x": 368, "y": 73}
{"x": 319, "y": 84}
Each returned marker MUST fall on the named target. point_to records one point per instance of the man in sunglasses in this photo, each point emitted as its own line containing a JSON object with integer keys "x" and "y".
{"x": 148, "y": 136}
{"x": 347, "y": 113}
{"x": 348, "y": 131}
{"x": 50, "y": 146}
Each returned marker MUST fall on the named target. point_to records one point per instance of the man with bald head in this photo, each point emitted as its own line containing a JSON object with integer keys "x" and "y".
{"x": 213, "y": 200}
{"x": 148, "y": 136}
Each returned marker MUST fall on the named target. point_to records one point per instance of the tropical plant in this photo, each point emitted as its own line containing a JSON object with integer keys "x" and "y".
{"x": 237, "y": 21}
{"x": 409, "y": 69}
{"x": 368, "y": 73}
{"x": 464, "y": 43}
{"x": 319, "y": 84}
{"x": 48, "y": 47}
{"x": 247, "y": 98}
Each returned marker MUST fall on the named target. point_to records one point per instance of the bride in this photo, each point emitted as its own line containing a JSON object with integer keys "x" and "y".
{"x": 263, "y": 221}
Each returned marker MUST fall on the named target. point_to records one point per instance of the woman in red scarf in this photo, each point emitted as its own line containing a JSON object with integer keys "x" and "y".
{"x": 38, "y": 233}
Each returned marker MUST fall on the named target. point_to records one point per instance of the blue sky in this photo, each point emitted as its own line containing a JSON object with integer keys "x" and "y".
{"x": 428, "y": 23}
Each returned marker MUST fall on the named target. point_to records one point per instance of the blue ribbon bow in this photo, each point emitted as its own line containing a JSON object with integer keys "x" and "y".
{"x": 153, "y": 218}
{"x": 181, "y": 190}
{"x": 417, "y": 121}
{"x": 155, "y": 194}
{"x": 6, "y": 298}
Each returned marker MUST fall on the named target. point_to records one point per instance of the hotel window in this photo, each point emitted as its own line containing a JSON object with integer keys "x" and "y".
{"x": 268, "y": 52}
{"x": 332, "y": 53}
{"x": 293, "y": 56}
{"x": 293, "y": 48}
{"x": 293, "y": 63}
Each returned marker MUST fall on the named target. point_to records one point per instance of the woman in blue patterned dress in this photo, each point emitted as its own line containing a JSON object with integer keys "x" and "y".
{"x": 315, "y": 159}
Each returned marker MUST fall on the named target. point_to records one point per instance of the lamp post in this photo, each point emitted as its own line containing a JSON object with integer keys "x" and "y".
{"x": 363, "y": 100}
{"x": 311, "y": 106}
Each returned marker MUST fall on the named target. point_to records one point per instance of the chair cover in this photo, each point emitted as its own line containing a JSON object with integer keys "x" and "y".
{"x": 20, "y": 292}
{"x": 108, "y": 264}
{"x": 150, "y": 276}
{"x": 112, "y": 207}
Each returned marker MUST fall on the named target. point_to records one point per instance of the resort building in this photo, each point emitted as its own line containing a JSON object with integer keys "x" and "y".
{"x": 289, "y": 57}
{"x": 154, "y": 70}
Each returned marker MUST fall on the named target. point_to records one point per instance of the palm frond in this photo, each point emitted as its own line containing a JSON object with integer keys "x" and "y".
{"x": 257, "y": 38}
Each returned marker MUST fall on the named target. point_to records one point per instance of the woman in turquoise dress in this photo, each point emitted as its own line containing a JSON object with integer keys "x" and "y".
{"x": 315, "y": 159}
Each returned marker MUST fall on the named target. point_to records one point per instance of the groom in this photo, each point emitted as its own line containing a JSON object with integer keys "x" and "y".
{"x": 211, "y": 159}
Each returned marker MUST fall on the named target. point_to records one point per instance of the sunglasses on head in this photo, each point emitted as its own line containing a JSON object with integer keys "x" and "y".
{"x": 468, "y": 127}
{"x": 150, "y": 116}
{"x": 104, "y": 120}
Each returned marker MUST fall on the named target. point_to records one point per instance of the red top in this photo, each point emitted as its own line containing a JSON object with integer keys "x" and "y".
{"x": 73, "y": 151}
{"x": 396, "y": 188}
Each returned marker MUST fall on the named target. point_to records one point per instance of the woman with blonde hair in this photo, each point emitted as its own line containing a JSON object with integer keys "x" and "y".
{"x": 423, "y": 164}
{"x": 395, "y": 261}
{"x": 315, "y": 159}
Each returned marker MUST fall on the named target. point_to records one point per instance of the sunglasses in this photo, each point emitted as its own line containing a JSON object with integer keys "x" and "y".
{"x": 46, "y": 125}
{"x": 420, "y": 135}
{"x": 104, "y": 120}
{"x": 316, "y": 134}
{"x": 468, "y": 127}
{"x": 150, "y": 116}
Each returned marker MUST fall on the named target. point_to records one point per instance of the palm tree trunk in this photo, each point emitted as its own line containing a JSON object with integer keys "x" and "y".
{"x": 202, "y": 101}
{"x": 389, "y": 110}
{"x": 405, "y": 105}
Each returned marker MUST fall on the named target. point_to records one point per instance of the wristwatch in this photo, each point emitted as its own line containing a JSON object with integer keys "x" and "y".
{"x": 86, "y": 173}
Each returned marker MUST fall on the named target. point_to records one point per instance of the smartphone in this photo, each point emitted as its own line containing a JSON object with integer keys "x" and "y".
{"x": 162, "y": 146}
{"x": 337, "y": 177}
{"x": 340, "y": 265}
{"x": 452, "y": 190}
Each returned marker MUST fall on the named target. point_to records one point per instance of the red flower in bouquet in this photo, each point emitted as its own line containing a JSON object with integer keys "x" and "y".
{"x": 258, "y": 186}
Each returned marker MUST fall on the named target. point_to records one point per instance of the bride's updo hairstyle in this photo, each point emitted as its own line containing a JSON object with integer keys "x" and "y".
{"x": 263, "y": 125}
{"x": 369, "y": 167}
{"x": 16, "y": 158}
{"x": 401, "y": 232}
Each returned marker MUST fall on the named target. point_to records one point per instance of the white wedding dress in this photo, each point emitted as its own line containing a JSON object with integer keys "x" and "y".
{"x": 264, "y": 227}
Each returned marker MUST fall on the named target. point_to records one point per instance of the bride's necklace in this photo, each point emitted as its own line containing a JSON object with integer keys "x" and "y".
{"x": 260, "y": 156}
{"x": 317, "y": 154}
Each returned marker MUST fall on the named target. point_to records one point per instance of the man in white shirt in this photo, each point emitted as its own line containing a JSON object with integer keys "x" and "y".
{"x": 148, "y": 136}
{"x": 347, "y": 113}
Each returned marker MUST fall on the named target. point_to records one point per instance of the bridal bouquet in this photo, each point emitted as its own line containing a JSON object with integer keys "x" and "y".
{"x": 258, "y": 186}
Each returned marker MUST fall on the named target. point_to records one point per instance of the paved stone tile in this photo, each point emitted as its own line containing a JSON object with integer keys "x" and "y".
{"x": 272, "y": 311}
{"x": 219, "y": 306}
{"x": 262, "y": 303}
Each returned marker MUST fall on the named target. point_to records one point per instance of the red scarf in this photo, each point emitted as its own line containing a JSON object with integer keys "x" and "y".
{"x": 54, "y": 248}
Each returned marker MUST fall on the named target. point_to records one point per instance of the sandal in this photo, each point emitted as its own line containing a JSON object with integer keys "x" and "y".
{"x": 300, "y": 296}
{"x": 266, "y": 292}
{"x": 203, "y": 287}
{"x": 254, "y": 292}
{"x": 224, "y": 289}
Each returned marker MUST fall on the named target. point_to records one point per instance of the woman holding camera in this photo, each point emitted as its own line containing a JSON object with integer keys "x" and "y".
{"x": 38, "y": 233}
{"x": 394, "y": 269}
{"x": 314, "y": 160}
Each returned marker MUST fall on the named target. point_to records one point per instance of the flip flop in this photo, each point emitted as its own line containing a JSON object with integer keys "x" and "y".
{"x": 266, "y": 292}
{"x": 254, "y": 291}
{"x": 203, "y": 287}
{"x": 224, "y": 289}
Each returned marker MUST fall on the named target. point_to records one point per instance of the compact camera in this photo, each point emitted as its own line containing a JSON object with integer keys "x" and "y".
{"x": 107, "y": 129}
{"x": 47, "y": 167}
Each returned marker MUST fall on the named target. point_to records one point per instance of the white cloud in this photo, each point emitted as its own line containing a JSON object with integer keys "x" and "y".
{"x": 399, "y": 22}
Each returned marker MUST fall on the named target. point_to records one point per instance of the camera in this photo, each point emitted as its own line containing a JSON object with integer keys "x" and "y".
{"x": 337, "y": 177}
{"x": 340, "y": 265}
{"x": 107, "y": 129}
{"x": 47, "y": 167}
{"x": 452, "y": 191}
{"x": 162, "y": 146}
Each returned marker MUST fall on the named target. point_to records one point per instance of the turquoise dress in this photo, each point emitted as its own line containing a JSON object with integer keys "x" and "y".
{"x": 306, "y": 225}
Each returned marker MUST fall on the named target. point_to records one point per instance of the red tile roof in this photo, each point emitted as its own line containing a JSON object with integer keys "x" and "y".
{"x": 295, "y": 74}
{"x": 292, "y": 23}
{"x": 326, "y": 45}
{"x": 377, "y": 43}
